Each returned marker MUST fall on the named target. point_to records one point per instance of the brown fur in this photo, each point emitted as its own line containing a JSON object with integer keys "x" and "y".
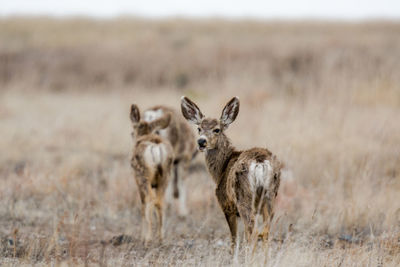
{"x": 229, "y": 169}
{"x": 151, "y": 180}
{"x": 180, "y": 134}
{"x": 182, "y": 139}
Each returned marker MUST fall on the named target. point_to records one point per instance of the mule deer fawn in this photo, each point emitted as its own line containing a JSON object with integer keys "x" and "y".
{"x": 152, "y": 164}
{"x": 247, "y": 181}
{"x": 183, "y": 141}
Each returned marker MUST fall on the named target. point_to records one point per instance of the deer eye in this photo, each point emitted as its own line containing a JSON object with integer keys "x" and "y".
{"x": 216, "y": 130}
{"x": 199, "y": 130}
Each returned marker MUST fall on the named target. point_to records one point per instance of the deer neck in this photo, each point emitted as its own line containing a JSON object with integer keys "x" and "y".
{"x": 217, "y": 159}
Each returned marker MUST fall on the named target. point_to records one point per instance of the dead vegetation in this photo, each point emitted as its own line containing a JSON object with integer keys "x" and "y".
{"x": 331, "y": 92}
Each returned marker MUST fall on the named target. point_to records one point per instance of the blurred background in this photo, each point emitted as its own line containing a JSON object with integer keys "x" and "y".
{"x": 319, "y": 85}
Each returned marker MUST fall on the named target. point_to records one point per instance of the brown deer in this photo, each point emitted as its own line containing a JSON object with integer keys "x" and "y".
{"x": 183, "y": 141}
{"x": 247, "y": 181}
{"x": 152, "y": 165}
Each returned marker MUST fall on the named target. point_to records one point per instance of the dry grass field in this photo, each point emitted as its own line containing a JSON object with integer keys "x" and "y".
{"x": 323, "y": 96}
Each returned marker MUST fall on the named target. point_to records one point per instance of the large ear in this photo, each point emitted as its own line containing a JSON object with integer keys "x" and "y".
{"x": 160, "y": 123}
{"x": 135, "y": 114}
{"x": 191, "y": 111}
{"x": 230, "y": 112}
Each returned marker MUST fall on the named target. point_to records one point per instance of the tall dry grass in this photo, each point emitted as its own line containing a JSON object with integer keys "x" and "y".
{"x": 324, "y": 97}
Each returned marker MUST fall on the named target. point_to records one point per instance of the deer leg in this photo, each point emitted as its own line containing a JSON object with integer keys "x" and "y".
{"x": 143, "y": 220}
{"x": 180, "y": 188}
{"x": 248, "y": 216}
{"x": 170, "y": 188}
{"x": 231, "y": 219}
{"x": 183, "y": 211}
{"x": 251, "y": 228}
{"x": 267, "y": 218}
{"x": 160, "y": 194}
{"x": 148, "y": 214}
{"x": 249, "y": 219}
{"x": 267, "y": 215}
{"x": 175, "y": 179}
{"x": 143, "y": 201}
{"x": 168, "y": 194}
{"x": 159, "y": 205}
{"x": 159, "y": 211}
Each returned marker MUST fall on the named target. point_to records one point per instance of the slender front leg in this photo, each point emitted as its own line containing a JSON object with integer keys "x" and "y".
{"x": 231, "y": 219}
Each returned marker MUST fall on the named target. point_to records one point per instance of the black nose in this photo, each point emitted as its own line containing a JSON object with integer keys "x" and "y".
{"x": 202, "y": 142}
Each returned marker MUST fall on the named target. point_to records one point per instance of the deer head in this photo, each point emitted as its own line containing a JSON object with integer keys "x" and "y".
{"x": 142, "y": 127}
{"x": 210, "y": 129}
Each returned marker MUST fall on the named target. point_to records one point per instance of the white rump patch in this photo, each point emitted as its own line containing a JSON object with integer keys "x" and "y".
{"x": 155, "y": 154}
{"x": 260, "y": 174}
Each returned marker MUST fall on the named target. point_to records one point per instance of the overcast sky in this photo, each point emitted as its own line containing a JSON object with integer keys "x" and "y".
{"x": 333, "y": 9}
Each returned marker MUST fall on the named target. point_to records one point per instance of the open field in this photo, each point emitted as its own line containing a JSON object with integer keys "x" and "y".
{"x": 324, "y": 97}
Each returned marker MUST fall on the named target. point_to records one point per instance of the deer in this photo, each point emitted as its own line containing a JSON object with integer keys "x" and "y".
{"x": 152, "y": 160}
{"x": 183, "y": 141}
{"x": 247, "y": 181}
